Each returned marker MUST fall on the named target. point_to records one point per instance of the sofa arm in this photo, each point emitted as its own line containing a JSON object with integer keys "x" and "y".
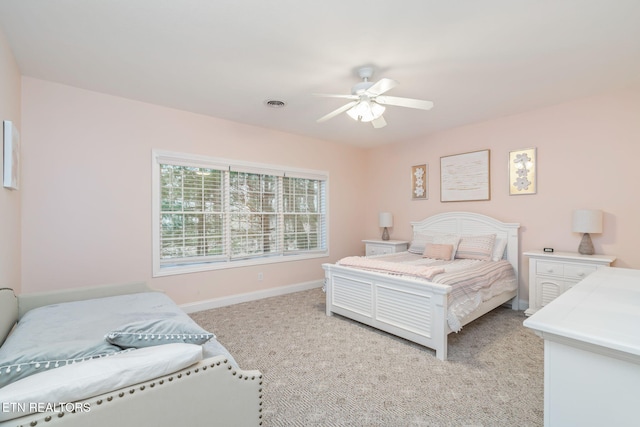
{"x": 8, "y": 312}
{"x": 210, "y": 393}
{"x": 30, "y": 301}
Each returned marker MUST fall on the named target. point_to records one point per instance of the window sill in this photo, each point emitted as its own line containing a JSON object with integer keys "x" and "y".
{"x": 212, "y": 266}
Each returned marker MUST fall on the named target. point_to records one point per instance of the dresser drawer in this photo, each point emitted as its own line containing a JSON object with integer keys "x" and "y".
{"x": 384, "y": 247}
{"x": 575, "y": 271}
{"x": 550, "y": 268}
{"x": 552, "y": 274}
{"x": 378, "y": 250}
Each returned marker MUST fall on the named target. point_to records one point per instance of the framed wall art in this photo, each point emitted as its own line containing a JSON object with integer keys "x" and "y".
{"x": 465, "y": 177}
{"x": 419, "y": 182}
{"x": 11, "y": 164}
{"x": 522, "y": 172}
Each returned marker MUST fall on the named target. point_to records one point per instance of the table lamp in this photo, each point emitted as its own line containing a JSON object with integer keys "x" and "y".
{"x": 587, "y": 221}
{"x": 385, "y": 220}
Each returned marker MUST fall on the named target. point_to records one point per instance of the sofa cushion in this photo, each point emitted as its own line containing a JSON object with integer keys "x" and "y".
{"x": 59, "y": 334}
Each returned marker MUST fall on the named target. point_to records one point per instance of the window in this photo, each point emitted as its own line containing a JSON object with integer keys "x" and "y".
{"x": 213, "y": 213}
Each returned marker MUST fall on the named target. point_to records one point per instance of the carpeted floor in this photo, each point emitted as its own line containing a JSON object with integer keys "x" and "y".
{"x": 331, "y": 371}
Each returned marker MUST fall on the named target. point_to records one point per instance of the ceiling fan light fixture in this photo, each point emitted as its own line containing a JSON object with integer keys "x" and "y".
{"x": 366, "y": 111}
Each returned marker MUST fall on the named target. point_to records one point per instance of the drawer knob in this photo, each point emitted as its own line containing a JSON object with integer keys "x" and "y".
{"x": 580, "y": 273}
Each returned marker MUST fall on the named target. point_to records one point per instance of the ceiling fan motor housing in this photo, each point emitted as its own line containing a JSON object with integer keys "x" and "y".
{"x": 365, "y": 74}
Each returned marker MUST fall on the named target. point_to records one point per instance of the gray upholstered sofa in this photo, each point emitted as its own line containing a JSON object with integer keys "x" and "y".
{"x": 153, "y": 376}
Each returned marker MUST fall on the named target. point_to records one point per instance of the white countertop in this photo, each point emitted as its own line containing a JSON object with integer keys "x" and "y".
{"x": 572, "y": 256}
{"x": 603, "y": 311}
{"x": 391, "y": 242}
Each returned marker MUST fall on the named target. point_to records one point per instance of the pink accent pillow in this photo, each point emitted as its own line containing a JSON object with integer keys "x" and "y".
{"x": 438, "y": 251}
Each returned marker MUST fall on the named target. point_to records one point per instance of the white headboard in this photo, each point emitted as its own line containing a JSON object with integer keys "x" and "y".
{"x": 469, "y": 223}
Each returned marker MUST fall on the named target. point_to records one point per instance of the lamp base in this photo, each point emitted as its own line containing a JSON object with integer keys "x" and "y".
{"x": 385, "y": 234}
{"x": 586, "y": 245}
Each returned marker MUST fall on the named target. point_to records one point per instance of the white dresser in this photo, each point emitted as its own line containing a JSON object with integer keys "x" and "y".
{"x": 592, "y": 351}
{"x": 382, "y": 247}
{"x": 553, "y": 273}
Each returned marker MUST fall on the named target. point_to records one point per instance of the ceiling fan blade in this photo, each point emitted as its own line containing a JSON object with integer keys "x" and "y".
{"x": 405, "y": 102}
{"x": 378, "y": 123}
{"x": 329, "y": 95}
{"x": 381, "y": 86}
{"x": 336, "y": 112}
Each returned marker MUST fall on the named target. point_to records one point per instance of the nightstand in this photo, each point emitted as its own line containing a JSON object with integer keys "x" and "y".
{"x": 383, "y": 247}
{"x": 552, "y": 273}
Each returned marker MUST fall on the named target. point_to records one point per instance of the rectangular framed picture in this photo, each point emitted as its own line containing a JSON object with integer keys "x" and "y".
{"x": 419, "y": 182}
{"x": 11, "y": 138}
{"x": 465, "y": 177}
{"x": 522, "y": 172}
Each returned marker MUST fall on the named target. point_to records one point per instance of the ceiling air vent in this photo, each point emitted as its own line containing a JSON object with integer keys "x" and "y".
{"x": 274, "y": 103}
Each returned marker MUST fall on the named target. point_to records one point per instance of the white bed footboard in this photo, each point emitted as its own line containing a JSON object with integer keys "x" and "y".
{"x": 406, "y": 308}
{"x": 415, "y": 309}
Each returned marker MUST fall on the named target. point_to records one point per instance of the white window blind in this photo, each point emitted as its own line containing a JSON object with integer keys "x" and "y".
{"x": 303, "y": 214}
{"x": 254, "y": 214}
{"x": 214, "y": 213}
{"x": 191, "y": 213}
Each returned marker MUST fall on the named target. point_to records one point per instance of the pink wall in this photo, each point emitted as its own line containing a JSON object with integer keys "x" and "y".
{"x": 9, "y": 199}
{"x": 86, "y": 197}
{"x": 87, "y": 190}
{"x": 588, "y": 153}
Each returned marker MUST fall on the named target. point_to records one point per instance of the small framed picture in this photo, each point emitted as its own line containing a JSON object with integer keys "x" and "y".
{"x": 419, "y": 182}
{"x": 522, "y": 172}
{"x": 465, "y": 177}
{"x": 11, "y": 138}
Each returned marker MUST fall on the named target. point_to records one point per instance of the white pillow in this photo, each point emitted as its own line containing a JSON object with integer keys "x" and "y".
{"x": 419, "y": 242}
{"x": 498, "y": 248}
{"x": 94, "y": 377}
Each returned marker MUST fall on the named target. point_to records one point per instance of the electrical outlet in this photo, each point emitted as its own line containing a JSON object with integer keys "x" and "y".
{"x": 260, "y": 276}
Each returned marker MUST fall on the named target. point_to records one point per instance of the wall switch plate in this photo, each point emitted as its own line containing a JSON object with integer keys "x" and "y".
{"x": 548, "y": 249}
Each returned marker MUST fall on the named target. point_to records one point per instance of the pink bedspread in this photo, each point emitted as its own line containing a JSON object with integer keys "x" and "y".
{"x": 424, "y": 272}
{"x": 471, "y": 281}
{"x": 472, "y": 286}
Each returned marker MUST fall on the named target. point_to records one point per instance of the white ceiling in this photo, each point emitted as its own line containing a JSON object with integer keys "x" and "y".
{"x": 474, "y": 59}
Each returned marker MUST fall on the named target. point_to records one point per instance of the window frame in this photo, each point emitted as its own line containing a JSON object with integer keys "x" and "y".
{"x": 191, "y": 160}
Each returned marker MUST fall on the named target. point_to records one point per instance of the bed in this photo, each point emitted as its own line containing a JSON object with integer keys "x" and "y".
{"x": 409, "y": 305}
{"x": 120, "y": 355}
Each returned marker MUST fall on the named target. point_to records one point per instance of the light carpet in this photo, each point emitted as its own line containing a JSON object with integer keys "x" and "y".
{"x": 331, "y": 371}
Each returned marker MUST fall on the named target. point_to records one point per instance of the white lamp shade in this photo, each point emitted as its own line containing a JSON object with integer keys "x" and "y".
{"x": 587, "y": 221}
{"x": 386, "y": 219}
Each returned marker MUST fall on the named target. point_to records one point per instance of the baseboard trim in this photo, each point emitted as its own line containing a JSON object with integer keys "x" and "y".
{"x": 193, "y": 307}
{"x": 523, "y": 305}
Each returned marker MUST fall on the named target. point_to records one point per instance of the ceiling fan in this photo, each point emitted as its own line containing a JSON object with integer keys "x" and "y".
{"x": 368, "y": 102}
